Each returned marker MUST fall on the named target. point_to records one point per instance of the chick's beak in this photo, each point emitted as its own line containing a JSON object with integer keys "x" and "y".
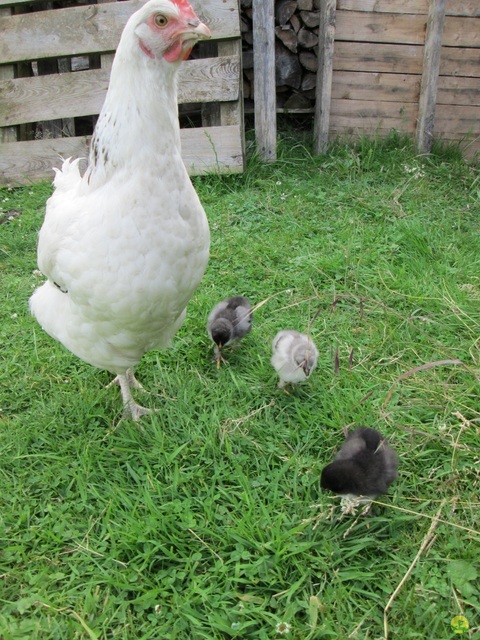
{"x": 306, "y": 369}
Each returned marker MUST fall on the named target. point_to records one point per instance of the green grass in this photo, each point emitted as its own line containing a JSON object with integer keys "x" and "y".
{"x": 209, "y": 523}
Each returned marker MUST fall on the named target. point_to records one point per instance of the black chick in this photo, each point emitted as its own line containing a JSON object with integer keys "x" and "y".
{"x": 229, "y": 321}
{"x": 363, "y": 469}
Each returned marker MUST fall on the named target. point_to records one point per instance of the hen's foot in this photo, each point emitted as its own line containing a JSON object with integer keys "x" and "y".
{"x": 135, "y": 411}
{"x": 126, "y": 382}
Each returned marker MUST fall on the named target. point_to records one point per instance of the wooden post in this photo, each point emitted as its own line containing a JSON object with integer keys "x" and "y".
{"x": 323, "y": 92}
{"x": 430, "y": 72}
{"x": 7, "y": 72}
{"x": 264, "y": 80}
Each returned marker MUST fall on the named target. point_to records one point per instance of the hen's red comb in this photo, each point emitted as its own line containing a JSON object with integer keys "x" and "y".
{"x": 183, "y": 4}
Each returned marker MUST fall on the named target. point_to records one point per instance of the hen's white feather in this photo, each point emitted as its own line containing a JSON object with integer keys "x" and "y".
{"x": 125, "y": 246}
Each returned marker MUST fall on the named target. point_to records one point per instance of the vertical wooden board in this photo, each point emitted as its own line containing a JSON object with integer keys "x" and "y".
{"x": 7, "y": 72}
{"x": 264, "y": 79}
{"x": 431, "y": 68}
{"x": 323, "y": 92}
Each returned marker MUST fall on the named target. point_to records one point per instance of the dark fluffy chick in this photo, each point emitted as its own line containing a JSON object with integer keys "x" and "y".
{"x": 363, "y": 469}
{"x": 229, "y": 321}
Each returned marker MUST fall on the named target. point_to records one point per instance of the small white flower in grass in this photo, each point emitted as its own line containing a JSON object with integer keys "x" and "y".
{"x": 158, "y": 608}
{"x": 283, "y": 196}
{"x": 234, "y": 625}
{"x": 442, "y": 427}
{"x": 278, "y": 183}
{"x": 14, "y": 315}
{"x": 283, "y": 628}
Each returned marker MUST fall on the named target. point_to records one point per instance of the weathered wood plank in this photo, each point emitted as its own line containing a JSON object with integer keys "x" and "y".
{"x": 460, "y": 62}
{"x": 430, "y": 71}
{"x": 384, "y": 6}
{"x": 382, "y": 87}
{"x": 392, "y": 58}
{"x": 213, "y": 150}
{"x": 106, "y": 59}
{"x": 91, "y": 29}
{"x": 461, "y": 32}
{"x": 231, "y": 111}
{"x": 264, "y": 79}
{"x": 216, "y": 149}
{"x": 399, "y": 28}
{"x": 368, "y": 116}
{"x": 457, "y": 120}
{"x": 323, "y": 91}
{"x": 462, "y": 8}
{"x": 396, "y": 58}
{"x": 458, "y": 91}
{"x": 470, "y": 147}
{"x": 452, "y": 7}
{"x": 82, "y": 93}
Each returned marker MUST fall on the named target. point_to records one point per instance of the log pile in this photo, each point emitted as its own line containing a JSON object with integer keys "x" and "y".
{"x": 296, "y": 51}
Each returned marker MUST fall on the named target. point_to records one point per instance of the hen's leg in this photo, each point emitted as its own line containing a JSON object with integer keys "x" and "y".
{"x": 131, "y": 409}
{"x": 132, "y": 381}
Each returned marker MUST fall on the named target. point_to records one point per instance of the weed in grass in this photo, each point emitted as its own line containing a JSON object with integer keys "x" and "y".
{"x": 210, "y": 523}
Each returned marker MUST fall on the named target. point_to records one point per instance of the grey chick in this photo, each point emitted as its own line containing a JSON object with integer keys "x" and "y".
{"x": 229, "y": 321}
{"x": 294, "y": 356}
{"x": 363, "y": 469}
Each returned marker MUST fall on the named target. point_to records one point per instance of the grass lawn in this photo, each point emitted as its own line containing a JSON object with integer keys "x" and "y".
{"x": 209, "y": 522}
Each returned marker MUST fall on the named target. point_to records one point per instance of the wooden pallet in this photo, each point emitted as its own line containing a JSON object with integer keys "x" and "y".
{"x": 58, "y": 98}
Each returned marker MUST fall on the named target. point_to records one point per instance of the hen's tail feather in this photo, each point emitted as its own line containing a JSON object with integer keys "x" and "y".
{"x": 68, "y": 176}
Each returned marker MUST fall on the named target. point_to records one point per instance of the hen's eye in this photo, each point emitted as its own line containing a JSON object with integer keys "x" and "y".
{"x": 161, "y": 20}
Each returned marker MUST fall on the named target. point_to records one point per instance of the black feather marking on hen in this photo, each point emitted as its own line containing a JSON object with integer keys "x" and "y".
{"x": 59, "y": 287}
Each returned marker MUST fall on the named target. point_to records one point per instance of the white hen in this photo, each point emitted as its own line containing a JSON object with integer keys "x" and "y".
{"x": 125, "y": 246}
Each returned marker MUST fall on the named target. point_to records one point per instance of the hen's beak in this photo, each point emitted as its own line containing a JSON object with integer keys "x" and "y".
{"x": 199, "y": 29}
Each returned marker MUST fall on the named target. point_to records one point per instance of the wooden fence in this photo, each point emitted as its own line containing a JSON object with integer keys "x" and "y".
{"x": 408, "y": 65}
{"x": 45, "y": 104}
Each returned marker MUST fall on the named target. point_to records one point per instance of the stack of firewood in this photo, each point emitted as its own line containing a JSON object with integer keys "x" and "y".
{"x": 296, "y": 49}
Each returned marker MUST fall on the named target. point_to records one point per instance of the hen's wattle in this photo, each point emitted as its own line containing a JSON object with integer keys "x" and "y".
{"x": 125, "y": 245}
